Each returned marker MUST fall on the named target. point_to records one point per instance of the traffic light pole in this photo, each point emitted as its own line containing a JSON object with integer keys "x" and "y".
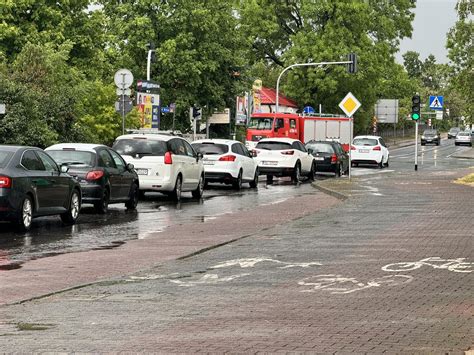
{"x": 302, "y": 65}
{"x": 416, "y": 145}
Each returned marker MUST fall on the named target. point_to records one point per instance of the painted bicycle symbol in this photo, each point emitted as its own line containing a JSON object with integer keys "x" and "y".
{"x": 455, "y": 265}
{"x": 338, "y": 284}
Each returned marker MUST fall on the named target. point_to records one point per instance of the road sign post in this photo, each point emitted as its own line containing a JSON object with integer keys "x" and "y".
{"x": 123, "y": 78}
{"x": 350, "y": 105}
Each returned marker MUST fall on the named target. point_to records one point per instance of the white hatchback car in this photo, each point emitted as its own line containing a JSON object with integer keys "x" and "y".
{"x": 227, "y": 161}
{"x": 369, "y": 150}
{"x": 284, "y": 157}
{"x": 164, "y": 163}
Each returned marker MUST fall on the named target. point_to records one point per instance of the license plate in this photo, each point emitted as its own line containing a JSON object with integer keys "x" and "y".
{"x": 364, "y": 150}
{"x": 318, "y": 158}
{"x": 269, "y": 163}
{"x": 208, "y": 162}
{"x": 142, "y": 171}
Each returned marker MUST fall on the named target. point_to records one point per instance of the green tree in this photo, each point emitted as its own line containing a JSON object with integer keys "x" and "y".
{"x": 413, "y": 64}
{"x": 54, "y": 23}
{"x": 198, "y": 48}
{"x": 291, "y": 32}
{"x": 461, "y": 53}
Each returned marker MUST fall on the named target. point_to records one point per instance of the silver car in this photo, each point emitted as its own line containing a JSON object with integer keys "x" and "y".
{"x": 464, "y": 138}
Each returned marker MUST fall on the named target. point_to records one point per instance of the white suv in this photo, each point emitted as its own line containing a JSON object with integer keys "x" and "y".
{"x": 164, "y": 163}
{"x": 284, "y": 157}
{"x": 227, "y": 161}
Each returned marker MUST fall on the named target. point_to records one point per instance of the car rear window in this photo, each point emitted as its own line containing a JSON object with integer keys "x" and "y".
{"x": 429, "y": 131}
{"x": 463, "y": 134}
{"x": 140, "y": 147}
{"x": 320, "y": 147}
{"x": 365, "y": 141}
{"x": 72, "y": 157}
{"x": 211, "y": 148}
{"x": 269, "y": 145}
{"x": 5, "y": 158}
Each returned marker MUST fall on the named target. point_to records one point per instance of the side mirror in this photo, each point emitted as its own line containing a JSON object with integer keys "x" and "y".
{"x": 199, "y": 156}
{"x": 64, "y": 168}
{"x": 130, "y": 167}
{"x": 253, "y": 153}
{"x": 310, "y": 151}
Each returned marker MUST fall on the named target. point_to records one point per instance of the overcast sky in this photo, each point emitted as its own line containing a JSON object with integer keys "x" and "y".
{"x": 433, "y": 19}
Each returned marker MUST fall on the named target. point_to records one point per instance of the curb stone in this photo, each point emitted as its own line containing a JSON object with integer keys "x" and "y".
{"x": 330, "y": 192}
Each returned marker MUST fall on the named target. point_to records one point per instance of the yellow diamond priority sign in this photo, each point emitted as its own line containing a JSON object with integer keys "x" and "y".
{"x": 349, "y": 104}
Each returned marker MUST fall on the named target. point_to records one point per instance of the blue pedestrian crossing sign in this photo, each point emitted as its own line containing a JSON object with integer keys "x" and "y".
{"x": 436, "y": 102}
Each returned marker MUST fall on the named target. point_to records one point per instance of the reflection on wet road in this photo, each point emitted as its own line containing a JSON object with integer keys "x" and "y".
{"x": 155, "y": 213}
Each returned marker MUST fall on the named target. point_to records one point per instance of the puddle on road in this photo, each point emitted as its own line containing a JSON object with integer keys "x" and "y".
{"x": 10, "y": 266}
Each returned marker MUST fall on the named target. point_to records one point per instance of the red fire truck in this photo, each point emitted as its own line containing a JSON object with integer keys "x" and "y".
{"x": 320, "y": 127}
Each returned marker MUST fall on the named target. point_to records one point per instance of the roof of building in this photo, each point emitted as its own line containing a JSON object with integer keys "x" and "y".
{"x": 268, "y": 97}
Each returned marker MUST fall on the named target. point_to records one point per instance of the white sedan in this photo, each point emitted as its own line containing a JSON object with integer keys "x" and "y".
{"x": 369, "y": 150}
{"x": 284, "y": 157}
{"x": 227, "y": 161}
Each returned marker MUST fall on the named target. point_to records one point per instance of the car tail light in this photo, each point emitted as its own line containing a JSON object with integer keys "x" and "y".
{"x": 229, "y": 157}
{"x": 377, "y": 148}
{"x": 94, "y": 175}
{"x": 333, "y": 158}
{"x": 168, "y": 158}
{"x": 5, "y": 182}
{"x": 353, "y": 148}
{"x": 288, "y": 152}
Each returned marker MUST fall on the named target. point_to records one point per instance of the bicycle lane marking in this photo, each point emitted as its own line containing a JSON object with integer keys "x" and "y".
{"x": 454, "y": 265}
{"x": 338, "y": 284}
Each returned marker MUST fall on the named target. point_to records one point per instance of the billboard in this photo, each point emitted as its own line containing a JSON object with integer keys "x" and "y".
{"x": 386, "y": 111}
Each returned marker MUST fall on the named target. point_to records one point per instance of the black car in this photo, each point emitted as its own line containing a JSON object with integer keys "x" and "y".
{"x": 32, "y": 185}
{"x": 329, "y": 156}
{"x": 104, "y": 176}
{"x": 453, "y": 132}
{"x": 430, "y": 136}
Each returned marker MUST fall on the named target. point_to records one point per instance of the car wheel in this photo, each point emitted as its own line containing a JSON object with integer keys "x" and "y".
{"x": 71, "y": 215}
{"x": 422, "y": 143}
{"x": 386, "y": 164}
{"x": 254, "y": 183}
{"x": 312, "y": 172}
{"x": 237, "y": 183}
{"x": 380, "y": 165}
{"x": 338, "y": 170}
{"x": 269, "y": 179}
{"x": 102, "y": 206}
{"x": 296, "y": 173}
{"x": 132, "y": 203}
{"x": 197, "y": 194}
{"x": 26, "y": 215}
{"x": 176, "y": 194}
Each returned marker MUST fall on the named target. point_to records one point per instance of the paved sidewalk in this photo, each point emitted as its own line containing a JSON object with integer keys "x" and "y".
{"x": 48, "y": 275}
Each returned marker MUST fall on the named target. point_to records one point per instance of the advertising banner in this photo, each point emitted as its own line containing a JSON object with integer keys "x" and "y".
{"x": 242, "y": 107}
{"x": 146, "y": 104}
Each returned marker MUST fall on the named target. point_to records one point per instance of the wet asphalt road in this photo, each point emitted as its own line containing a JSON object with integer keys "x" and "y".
{"x": 156, "y": 212}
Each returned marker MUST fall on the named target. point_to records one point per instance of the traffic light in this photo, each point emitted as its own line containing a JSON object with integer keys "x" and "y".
{"x": 415, "y": 108}
{"x": 197, "y": 113}
{"x": 352, "y": 67}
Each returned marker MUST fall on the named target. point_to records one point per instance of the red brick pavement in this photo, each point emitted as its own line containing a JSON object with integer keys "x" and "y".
{"x": 48, "y": 275}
